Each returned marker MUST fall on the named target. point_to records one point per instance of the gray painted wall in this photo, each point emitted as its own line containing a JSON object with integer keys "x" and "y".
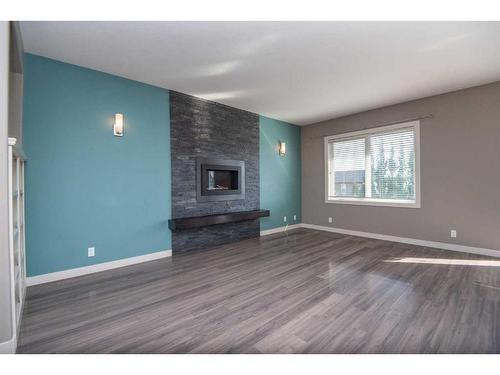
{"x": 16, "y": 106}
{"x": 460, "y": 175}
{"x": 207, "y": 129}
{"x": 5, "y": 307}
{"x": 16, "y": 83}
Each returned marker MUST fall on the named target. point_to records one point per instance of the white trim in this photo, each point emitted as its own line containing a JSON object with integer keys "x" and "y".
{"x": 17, "y": 149}
{"x": 12, "y": 267}
{"x": 416, "y": 145}
{"x": 54, "y": 276}
{"x": 415, "y": 125}
{"x": 412, "y": 241}
{"x": 8, "y": 347}
{"x": 80, "y": 271}
{"x": 374, "y": 202}
{"x": 280, "y": 229}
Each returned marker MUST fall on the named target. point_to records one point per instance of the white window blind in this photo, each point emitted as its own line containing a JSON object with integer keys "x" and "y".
{"x": 349, "y": 168}
{"x": 393, "y": 165}
{"x": 378, "y": 165}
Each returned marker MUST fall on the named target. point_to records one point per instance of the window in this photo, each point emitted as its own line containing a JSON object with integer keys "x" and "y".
{"x": 379, "y": 166}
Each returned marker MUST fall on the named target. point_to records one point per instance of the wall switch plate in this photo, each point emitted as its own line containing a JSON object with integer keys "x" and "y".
{"x": 91, "y": 252}
{"x": 284, "y": 219}
{"x": 330, "y": 220}
{"x": 294, "y": 217}
{"x": 453, "y": 233}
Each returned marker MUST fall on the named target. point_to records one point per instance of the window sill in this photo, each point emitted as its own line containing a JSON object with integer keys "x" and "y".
{"x": 375, "y": 202}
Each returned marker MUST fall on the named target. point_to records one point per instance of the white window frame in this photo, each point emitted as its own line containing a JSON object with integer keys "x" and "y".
{"x": 374, "y": 201}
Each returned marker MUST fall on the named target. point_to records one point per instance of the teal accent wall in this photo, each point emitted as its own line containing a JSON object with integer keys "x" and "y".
{"x": 84, "y": 186}
{"x": 280, "y": 176}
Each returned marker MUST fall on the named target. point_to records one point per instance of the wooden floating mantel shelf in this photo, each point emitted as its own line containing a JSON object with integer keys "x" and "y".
{"x": 203, "y": 221}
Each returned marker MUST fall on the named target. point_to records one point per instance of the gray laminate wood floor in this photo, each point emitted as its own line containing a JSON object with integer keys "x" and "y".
{"x": 305, "y": 292}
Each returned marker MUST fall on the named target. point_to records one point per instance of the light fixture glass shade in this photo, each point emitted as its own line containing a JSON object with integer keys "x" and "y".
{"x": 118, "y": 126}
{"x": 282, "y": 149}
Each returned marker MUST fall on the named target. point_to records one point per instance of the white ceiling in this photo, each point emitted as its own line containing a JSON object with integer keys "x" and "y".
{"x": 301, "y": 72}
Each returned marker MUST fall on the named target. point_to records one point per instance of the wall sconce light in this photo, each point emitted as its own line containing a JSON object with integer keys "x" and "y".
{"x": 282, "y": 148}
{"x": 118, "y": 125}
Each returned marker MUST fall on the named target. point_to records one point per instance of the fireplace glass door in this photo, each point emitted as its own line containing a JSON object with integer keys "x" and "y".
{"x": 220, "y": 179}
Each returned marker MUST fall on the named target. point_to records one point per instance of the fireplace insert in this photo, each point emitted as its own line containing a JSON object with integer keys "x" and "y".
{"x": 219, "y": 180}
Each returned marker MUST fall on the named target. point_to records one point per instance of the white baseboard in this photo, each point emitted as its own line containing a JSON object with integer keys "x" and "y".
{"x": 80, "y": 271}
{"x": 8, "y": 347}
{"x": 54, "y": 276}
{"x": 412, "y": 241}
{"x": 279, "y": 229}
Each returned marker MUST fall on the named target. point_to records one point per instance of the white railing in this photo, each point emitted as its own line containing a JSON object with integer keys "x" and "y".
{"x": 16, "y": 160}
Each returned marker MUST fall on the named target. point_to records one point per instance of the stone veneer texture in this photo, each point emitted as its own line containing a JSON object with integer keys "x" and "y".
{"x": 201, "y": 128}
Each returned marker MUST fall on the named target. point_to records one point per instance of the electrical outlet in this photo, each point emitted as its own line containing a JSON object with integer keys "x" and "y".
{"x": 330, "y": 220}
{"x": 284, "y": 219}
{"x": 91, "y": 252}
{"x": 453, "y": 233}
{"x": 294, "y": 217}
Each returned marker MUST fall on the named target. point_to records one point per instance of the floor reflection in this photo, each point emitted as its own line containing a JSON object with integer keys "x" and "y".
{"x": 452, "y": 262}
